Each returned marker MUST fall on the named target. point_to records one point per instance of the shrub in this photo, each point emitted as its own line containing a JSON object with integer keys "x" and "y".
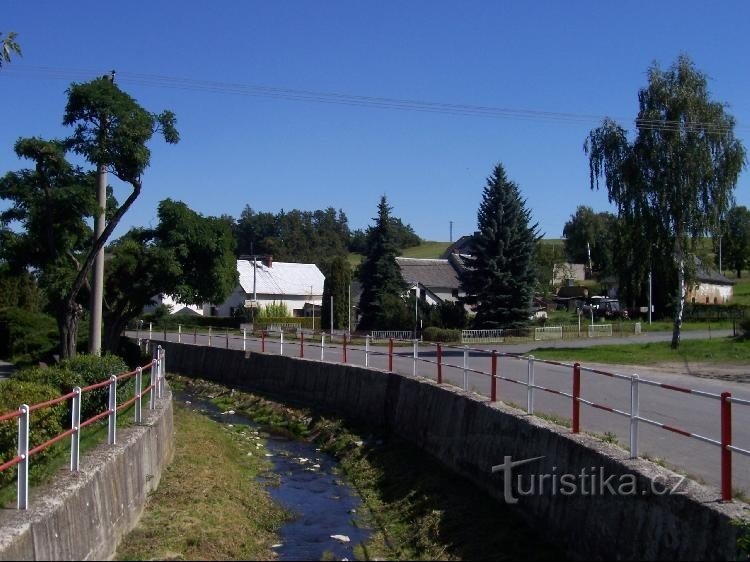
{"x": 26, "y": 337}
{"x": 82, "y": 370}
{"x": 434, "y": 334}
{"x": 44, "y": 423}
{"x": 745, "y": 327}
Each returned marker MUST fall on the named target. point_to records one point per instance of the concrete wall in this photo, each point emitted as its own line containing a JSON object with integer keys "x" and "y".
{"x": 470, "y": 437}
{"x": 83, "y": 515}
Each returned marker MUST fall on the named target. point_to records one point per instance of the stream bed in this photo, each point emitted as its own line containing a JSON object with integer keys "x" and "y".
{"x": 305, "y": 482}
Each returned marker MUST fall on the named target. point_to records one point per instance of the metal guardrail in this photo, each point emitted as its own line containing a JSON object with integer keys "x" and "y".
{"x": 23, "y": 458}
{"x": 724, "y": 412}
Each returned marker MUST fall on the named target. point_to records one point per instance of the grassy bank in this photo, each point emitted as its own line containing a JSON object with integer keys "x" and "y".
{"x": 209, "y": 505}
{"x": 417, "y": 508}
{"x": 720, "y": 350}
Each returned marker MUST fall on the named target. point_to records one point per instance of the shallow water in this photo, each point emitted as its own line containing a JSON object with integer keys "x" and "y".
{"x": 308, "y": 487}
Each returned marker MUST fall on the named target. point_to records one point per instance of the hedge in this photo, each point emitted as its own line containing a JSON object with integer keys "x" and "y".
{"x": 44, "y": 423}
{"x": 433, "y": 334}
{"x": 26, "y": 337}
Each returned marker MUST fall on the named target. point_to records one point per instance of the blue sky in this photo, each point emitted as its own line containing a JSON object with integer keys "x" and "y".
{"x": 583, "y": 58}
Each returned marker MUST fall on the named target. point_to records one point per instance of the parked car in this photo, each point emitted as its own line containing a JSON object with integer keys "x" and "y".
{"x": 605, "y": 307}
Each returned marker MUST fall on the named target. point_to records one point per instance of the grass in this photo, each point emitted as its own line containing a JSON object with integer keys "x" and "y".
{"x": 417, "y": 507}
{"x": 209, "y": 505}
{"x": 426, "y": 250}
{"x": 742, "y": 291}
{"x": 724, "y": 350}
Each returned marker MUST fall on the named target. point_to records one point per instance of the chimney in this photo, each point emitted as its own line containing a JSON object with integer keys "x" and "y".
{"x": 268, "y": 261}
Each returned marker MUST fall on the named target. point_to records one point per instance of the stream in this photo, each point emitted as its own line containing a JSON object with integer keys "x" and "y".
{"x": 306, "y": 483}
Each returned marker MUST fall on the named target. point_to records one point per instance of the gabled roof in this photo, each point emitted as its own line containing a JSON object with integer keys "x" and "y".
{"x": 461, "y": 246}
{"x": 429, "y": 273}
{"x": 707, "y": 275}
{"x": 281, "y": 278}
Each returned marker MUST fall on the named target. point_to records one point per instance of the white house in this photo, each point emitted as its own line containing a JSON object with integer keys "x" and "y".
{"x": 174, "y": 306}
{"x": 293, "y": 284}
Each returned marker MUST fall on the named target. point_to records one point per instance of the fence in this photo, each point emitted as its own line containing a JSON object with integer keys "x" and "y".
{"x": 548, "y": 333}
{"x": 600, "y": 330}
{"x": 23, "y": 458}
{"x": 385, "y": 335}
{"x": 482, "y": 336}
{"x": 417, "y": 357}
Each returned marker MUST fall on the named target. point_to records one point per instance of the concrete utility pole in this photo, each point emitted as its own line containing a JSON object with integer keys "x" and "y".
{"x": 97, "y": 288}
{"x": 451, "y": 231}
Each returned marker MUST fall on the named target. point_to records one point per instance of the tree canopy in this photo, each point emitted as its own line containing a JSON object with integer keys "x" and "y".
{"x": 502, "y": 270}
{"x": 735, "y": 239}
{"x": 8, "y": 46}
{"x": 587, "y": 229}
{"x": 336, "y": 285}
{"x": 675, "y": 180}
{"x": 382, "y": 285}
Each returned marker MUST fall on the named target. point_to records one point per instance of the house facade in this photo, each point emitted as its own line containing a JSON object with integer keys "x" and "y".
{"x": 712, "y": 286}
{"x": 436, "y": 279}
{"x": 264, "y": 282}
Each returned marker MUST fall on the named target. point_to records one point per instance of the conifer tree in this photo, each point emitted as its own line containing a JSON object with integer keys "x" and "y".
{"x": 382, "y": 284}
{"x": 337, "y": 286}
{"x": 501, "y": 277}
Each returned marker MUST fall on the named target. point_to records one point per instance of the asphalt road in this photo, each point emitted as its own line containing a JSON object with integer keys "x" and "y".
{"x": 695, "y": 414}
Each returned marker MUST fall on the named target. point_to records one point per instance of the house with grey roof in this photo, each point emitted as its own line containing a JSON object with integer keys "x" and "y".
{"x": 437, "y": 278}
{"x": 712, "y": 287}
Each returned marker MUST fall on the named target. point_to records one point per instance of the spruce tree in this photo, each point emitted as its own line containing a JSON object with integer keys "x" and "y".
{"x": 501, "y": 277}
{"x": 382, "y": 284}
{"x": 337, "y": 286}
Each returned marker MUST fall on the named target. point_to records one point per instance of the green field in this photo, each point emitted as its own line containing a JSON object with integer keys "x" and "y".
{"x": 426, "y": 250}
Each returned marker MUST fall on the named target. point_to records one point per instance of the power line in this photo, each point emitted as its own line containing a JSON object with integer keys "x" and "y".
{"x": 337, "y": 98}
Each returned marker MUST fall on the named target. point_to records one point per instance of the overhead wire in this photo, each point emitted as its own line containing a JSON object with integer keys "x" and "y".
{"x": 337, "y": 98}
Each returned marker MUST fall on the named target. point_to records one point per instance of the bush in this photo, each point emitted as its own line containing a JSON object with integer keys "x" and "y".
{"x": 433, "y": 334}
{"x": 44, "y": 423}
{"x": 27, "y": 337}
{"x": 745, "y": 327}
{"x": 82, "y": 370}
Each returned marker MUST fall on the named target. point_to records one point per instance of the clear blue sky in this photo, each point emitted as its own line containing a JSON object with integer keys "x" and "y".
{"x": 587, "y": 58}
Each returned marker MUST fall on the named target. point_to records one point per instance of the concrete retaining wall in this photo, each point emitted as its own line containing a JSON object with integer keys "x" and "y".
{"x": 83, "y": 515}
{"x": 470, "y": 437}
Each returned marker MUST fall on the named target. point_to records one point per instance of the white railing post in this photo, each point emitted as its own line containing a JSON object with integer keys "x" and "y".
{"x": 138, "y": 387}
{"x": 112, "y": 419}
{"x": 152, "y": 384}
{"x": 367, "y": 351}
{"x": 23, "y": 452}
{"x": 281, "y": 343}
{"x": 530, "y": 386}
{"x": 150, "y": 329}
{"x": 244, "y": 339}
{"x": 466, "y": 366}
{"x": 159, "y": 371}
{"x": 179, "y": 333}
{"x": 75, "y": 424}
{"x": 209, "y": 336}
{"x": 416, "y": 355}
{"x": 634, "y": 414}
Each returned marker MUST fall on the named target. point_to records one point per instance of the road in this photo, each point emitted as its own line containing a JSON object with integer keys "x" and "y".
{"x": 688, "y": 412}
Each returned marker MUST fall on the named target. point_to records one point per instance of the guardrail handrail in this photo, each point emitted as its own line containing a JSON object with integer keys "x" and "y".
{"x": 495, "y": 375}
{"x": 22, "y": 459}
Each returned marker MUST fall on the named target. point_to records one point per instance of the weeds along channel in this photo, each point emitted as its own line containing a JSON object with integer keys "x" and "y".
{"x": 414, "y": 506}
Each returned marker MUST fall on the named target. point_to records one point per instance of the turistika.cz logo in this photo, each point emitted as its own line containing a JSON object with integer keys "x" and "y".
{"x": 590, "y": 481}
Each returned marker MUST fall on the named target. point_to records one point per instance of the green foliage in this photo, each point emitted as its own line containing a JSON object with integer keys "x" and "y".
{"x": 8, "y": 45}
{"x": 382, "y": 284}
{"x": 82, "y": 370}
{"x": 745, "y": 327}
{"x": 19, "y": 290}
{"x": 273, "y": 310}
{"x": 434, "y": 334}
{"x": 735, "y": 239}
{"x": 295, "y": 236}
{"x": 502, "y": 276}
{"x": 672, "y": 184}
{"x": 26, "y": 337}
{"x": 44, "y": 423}
{"x": 337, "y": 285}
{"x": 587, "y": 228}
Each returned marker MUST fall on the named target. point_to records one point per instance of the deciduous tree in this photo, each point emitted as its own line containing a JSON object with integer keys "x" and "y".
{"x": 675, "y": 179}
